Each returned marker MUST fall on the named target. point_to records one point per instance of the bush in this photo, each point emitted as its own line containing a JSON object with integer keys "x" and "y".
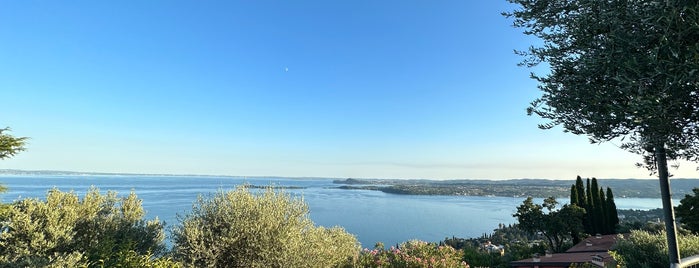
{"x": 64, "y": 231}
{"x": 644, "y": 249}
{"x": 411, "y": 254}
{"x": 270, "y": 229}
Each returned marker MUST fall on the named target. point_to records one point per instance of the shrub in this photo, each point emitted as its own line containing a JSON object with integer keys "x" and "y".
{"x": 65, "y": 231}
{"x": 644, "y": 249}
{"x": 270, "y": 229}
{"x": 411, "y": 254}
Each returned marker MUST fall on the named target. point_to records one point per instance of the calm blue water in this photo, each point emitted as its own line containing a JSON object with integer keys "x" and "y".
{"x": 370, "y": 215}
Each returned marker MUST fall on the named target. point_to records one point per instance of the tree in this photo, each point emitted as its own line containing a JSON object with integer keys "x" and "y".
{"x": 589, "y": 208}
{"x": 602, "y": 212}
{"x": 596, "y": 208}
{"x": 612, "y": 214}
{"x": 271, "y": 229}
{"x": 623, "y": 71}
{"x": 556, "y": 225}
{"x": 574, "y": 195}
{"x": 688, "y": 211}
{"x": 601, "y": 218}
{"x": 66, "y": 231}
{"x": 646, "y": 249}
{"x": 10, "y": 145}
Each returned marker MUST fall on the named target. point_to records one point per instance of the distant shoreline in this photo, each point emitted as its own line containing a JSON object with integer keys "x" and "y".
{"x": 636, "y": 188}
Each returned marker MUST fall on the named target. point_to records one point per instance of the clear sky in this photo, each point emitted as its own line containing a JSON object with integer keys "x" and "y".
{"x": 360, "y": 88}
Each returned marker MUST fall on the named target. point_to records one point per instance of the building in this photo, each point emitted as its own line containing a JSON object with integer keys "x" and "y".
{"x": 593, "y": 250}
{"x": 493, "y": 249}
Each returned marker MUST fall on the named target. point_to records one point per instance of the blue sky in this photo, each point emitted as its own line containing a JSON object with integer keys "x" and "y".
{"x": 380, "y": 89}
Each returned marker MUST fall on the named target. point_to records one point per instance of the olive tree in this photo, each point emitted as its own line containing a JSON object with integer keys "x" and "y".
{"x": 239, "y": 228}
{"x": 642, "y": 249}
{"x": 98, "y": 230}
{"x": 623, "y": 71}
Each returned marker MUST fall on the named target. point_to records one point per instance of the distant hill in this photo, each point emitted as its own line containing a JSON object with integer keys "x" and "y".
{"x": 644, "y": 188}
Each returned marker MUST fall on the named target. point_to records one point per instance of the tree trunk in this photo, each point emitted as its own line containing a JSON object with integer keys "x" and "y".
{"x": 668, "y": 210}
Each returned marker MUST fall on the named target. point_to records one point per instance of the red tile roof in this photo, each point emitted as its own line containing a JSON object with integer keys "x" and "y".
{"x": 562, "y": 259}
{"x": 601, "y": 243}
{"x": 581, "y": 253}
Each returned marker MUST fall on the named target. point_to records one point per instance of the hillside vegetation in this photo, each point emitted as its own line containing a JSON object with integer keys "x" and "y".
{"x": 515, "y": 188}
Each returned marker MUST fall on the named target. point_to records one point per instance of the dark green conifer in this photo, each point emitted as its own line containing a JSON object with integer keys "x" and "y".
{"x": 590, "y": 208}
{"x": 574, "y": 196}
{"x": 603, "y": 213}
{"x": 596, "y": 208}
{"x": 581, "y": 192}
{"x": 600, "y": 210}
{"x": 612, "y": 214}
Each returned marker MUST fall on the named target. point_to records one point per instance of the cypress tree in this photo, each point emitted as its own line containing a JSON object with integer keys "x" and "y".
{"x": 603, "y": 213}
{"x": 582, "y": 202}
{"x": 613, "y": 216}
{"x": 574, "y": 200}
{"x": 581, "y": 193}
{"x": 589, "y": 207}
{"x": 596, "y": 208}
{"x": 600, "y": 210}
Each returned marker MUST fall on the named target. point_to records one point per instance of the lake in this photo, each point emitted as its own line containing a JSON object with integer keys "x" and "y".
{"x": 370, "y": 215}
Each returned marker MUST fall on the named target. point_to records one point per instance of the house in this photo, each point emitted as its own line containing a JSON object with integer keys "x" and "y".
{"x": 593, "y": 250}
{"x": 493, "y": 249}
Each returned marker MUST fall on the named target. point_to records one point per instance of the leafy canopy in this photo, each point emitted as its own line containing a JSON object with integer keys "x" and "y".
{"x": 99, "y": 230}
{"x": 10, "y": 145}
{"x": 688, "y": 211}
{"x": 556, "y": 225}
{"x": 270, "y": 229}
{"x": 648, "y": 249}
{"x": 625, "y": 70}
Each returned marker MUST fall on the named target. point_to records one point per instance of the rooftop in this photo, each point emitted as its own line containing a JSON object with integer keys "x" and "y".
{"x": 594, "y": 249}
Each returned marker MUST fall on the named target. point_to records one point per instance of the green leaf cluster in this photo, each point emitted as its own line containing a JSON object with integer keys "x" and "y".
{"x": 643, "y": 249}
{"x": 556, "y": 225}
{"x": 411, "y": 254}
{"x": 601, "y": 216}
{"x": 688, "y": 211}
{"x": 618, "y": 69}
{"x": 10, "y": 145}
{"x": 239, "y": 228}
{"x": 66, "y": 231}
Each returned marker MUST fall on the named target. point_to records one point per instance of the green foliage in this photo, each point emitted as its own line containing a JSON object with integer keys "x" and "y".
{"x": 478, "y": 257}
{"x": 556, "y": 225}
{"x": 600, "y": 210}
{"x": 132, "y": 259}
{"x": 646, "y": 250}
{"x": 623, "y": 71}
{"x": 518, "y": 245}
{"x": 688, "y": 211}
{"x": 411, "y": 254}
{"x": 618, "y": 69}
{"x": 271, "y": 229}
{"x": 66, "y": 231}
{"x": 612, "y": 213}
{"x": 10, "y": 145}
